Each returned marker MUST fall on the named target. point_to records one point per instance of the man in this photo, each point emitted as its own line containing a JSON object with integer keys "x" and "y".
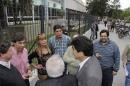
{"x": 9, "y": 75}
{"x": 59, "y": 42}
{"x": 89, "y": 73}
{"x": 108, "y": 55}
{"x": 20, "y": 56}
{"x": 55, "y": 69}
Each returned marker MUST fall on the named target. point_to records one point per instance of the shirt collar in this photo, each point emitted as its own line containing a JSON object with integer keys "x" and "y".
{"x": 83, "y": 62}
{"x": 6, "y": 64}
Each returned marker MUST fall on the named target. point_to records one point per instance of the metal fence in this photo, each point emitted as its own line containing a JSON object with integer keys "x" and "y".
{"x": 29, "y": 19}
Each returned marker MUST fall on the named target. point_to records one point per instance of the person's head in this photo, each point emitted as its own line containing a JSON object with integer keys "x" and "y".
{"x": 42, "y": 43}
{"x": 18, "y": 41}
{"x": 82, "y": 47}
{"x": 58, "y": 31}
{"x": 41, "y": 40}
{"x": 5, "y": 51}
{"x": 55, "y": 66}
{"x": 104, "y": 36}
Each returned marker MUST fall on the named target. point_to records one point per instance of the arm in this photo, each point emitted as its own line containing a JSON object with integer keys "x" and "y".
{"x": 32, "y": 56}
{"x": 116, "y": 59}
{"x": 50, "y": 45}
{"x": 124, "y": 55}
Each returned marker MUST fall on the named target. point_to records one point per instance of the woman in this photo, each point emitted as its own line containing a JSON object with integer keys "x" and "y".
{"x": 126, "y": 63}
{"x": 41, "y": 53}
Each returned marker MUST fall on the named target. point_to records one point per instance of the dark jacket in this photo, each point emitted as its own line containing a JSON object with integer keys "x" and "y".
{"x": 67, "y": 80}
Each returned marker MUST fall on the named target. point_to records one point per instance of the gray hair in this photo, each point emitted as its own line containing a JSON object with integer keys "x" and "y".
{"x": 55, "y": 66}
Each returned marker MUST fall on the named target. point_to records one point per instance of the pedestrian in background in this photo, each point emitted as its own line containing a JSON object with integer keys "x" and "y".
{"x": 108, "y": 54}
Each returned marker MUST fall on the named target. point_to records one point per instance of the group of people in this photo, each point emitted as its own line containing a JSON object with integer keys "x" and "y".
{"x": 62, "y": 61}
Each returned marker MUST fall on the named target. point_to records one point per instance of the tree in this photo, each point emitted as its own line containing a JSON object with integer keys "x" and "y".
{"x": 113, "y": 9}
{"x": 104, "y": 8}
{"x": 97, "y": 7}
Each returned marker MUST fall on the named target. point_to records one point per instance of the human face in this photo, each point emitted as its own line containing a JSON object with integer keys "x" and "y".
{"x": 8, "y": 55}
{"x": 42, "y": 42}
{"x": 78, "y": 55}
{"x": 58, "y": 33}
{"x": 103, "y": 37}
{"x": 19, "y": 45}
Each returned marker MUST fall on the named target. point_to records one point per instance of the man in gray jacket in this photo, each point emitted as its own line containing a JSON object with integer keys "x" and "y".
{"x": 89, "y": 73}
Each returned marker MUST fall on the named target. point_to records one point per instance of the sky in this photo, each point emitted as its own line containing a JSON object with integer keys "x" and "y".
{"x": 125, "y": 4}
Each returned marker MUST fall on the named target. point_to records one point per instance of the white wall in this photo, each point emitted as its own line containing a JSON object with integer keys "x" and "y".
{"x": 75, "y": 5}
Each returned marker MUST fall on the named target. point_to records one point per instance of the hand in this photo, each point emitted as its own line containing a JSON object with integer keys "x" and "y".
{"x": 38, "y": 66}
{"x": 114, "y": 73}
{"x": 124, "y": 64}
{"x": 25, "y": 76}
{"x": 29, "y": 73}
{"x": 98, "y": 55}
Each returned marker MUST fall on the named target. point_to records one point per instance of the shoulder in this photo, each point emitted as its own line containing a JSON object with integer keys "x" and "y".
{"x": 40, "y": 82}
{"x": 113, "y": 43}
{"x": 96, "y": 43}
{"x": 69, "y": 48}
{"x": 65, "y": 36}
{"x": 68, "y": 77}
{"x": 51, "y": 38}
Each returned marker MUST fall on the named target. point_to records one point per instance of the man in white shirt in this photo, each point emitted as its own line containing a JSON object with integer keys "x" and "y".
{"x": 9, "y": 76}
{"x": 89, "y": 73}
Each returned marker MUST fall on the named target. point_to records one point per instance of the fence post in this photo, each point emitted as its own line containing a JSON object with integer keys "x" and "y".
{"x": 42, "y": 18}
{"x": 68, "y": 21}
{"x": 79, "y": 24}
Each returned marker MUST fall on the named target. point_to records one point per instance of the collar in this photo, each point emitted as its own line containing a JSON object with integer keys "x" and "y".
{"x": 83, "y": 62}
{"x": 6, "y": 64}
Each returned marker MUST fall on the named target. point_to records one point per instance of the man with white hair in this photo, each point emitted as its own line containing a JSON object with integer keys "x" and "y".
{"x": 55, "y": 68}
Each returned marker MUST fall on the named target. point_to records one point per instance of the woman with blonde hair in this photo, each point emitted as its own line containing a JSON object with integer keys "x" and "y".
{"x": 42, "y": 54}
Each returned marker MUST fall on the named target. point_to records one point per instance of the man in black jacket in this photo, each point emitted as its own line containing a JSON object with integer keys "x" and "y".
{"x": 55, "y": 69}
{"x": 9, "y": 76}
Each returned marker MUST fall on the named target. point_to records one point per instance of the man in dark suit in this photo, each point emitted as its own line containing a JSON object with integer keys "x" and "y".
{"x": 55, "y": 68}
{"x": 89, "y": 73}
{"x": 9, "y": 75}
